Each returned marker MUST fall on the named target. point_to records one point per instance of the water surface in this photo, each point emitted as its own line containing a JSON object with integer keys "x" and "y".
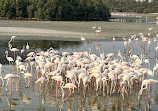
{"x": 65, "y": 37}
{"x": 43, "y": 99}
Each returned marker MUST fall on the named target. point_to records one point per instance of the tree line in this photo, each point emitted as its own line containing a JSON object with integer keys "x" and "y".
{"x": 132, "y": 6}
{"x": 72, "y": 9}
{"x": 54, "y": 9}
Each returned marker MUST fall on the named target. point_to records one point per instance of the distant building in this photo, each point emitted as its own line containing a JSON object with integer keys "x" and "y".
{"x": 145, "y": 0}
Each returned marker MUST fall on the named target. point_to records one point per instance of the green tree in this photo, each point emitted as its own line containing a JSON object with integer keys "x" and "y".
{"x": 30, "y": 11}
{"x": 55, "y": 9}
{"x": 21, "y": 8}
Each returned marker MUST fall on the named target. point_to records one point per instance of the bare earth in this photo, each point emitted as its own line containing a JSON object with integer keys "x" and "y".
{"x": 59, "y": 30}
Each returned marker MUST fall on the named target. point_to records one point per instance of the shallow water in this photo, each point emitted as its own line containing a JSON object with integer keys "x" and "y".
{"x": 35, "y": 98}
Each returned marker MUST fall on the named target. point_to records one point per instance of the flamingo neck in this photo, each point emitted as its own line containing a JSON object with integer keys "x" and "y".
{"x": 6, "y": 54}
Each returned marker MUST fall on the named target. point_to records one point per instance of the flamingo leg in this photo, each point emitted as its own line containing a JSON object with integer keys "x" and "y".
{"x": 25, "y": 81}
{"x": 57, "y": 88}
{"x": 2, "y": 80}
{"x": 111, "y": 87}
{"x": 28, "y": 82}
{"x": 67, "y": 97}
{"x": 61, "y": 87}
{"x": 103, "y": 88}
{"x": 149, "y": 90}
{"x": 10, "y": 87}
{"x": 14, "y": 55}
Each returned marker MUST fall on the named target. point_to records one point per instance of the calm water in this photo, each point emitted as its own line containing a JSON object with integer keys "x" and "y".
{"x": 35, "y": 98}
{"x": 134, "y": 18}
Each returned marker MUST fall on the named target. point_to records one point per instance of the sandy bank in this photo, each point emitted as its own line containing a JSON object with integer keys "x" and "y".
{"x": 50, "y": 30}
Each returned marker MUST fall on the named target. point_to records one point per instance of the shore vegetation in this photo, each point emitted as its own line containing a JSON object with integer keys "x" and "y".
{"x": 85, "y": 10}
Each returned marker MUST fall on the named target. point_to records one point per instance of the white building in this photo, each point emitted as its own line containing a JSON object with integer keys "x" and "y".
{"x": 144, "y": 0}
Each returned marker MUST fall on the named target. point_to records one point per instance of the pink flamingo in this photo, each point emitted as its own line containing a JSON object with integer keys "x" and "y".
{"x": 28, "y": 76}
{"x": 58, "y": 79}
{"x": 147, "y": 82}
{"x": 69, "y": 86}
{"x": 155, "y": 69}
{"x": 13, "y": 37}
{"x": 14, "y": 50}
{"x": 105, "y": 84}
{"x": 10, "y": 59}
{"x": 80, "y": 77}
{"x": 31, "y": 54}
{"x": 10, "y": 77}
{"x": 32, "y": 65}
{"x": 98, "y": 31}
{"x": 71, "y": 76}
{"x": 41, "y": 80}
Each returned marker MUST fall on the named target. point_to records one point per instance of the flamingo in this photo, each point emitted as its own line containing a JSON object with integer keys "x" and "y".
{"x": 12, "y": 39}
{"x": 10, "y": 59}
{"x": 22, "y": 50}
{"x": 80, "y": 77}
{"x": 10, "y": 77}
{"x": 156, "y": 49}
{"x": 155, "y": 68}
{"x": 58, "y": 79}
{"x": 98, "y": 31}
{"x": 0, "y": 68}
{"x": 146, "y": 61}
{"x": 123, "y": 90}
{"x": 1, "y": 75}
{"x": 28, "y": 76}
{"x": 151, "y": 28}
{"x": 98, "y": 82}
{"x": 155, "y": 40}
{"x": 149, "y": 43}
{"x": 147, "y": 82}
{"x": 30, "y": 54}
{"x": 105, "y": 83}
{"x": 83, "y": 39}
{"x": 32, "y": 64}
{"x": 14, "y": 50}
{"x": 94, "y": 27}
{"x": 113, "y": 42}
{"x": 40, "y": 81}
{"x": 82, "y": 66}
{"x": 69, "y": 86}
{"x": 27, "y": 46}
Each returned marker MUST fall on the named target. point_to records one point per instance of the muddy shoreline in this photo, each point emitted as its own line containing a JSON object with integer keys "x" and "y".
{"x": 52, "y": 30}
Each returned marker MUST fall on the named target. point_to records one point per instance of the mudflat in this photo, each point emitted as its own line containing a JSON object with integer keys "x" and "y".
{"x": 71, "y": 30}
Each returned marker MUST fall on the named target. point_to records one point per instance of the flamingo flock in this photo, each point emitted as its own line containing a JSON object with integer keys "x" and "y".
{"x": 107, "y": 73}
